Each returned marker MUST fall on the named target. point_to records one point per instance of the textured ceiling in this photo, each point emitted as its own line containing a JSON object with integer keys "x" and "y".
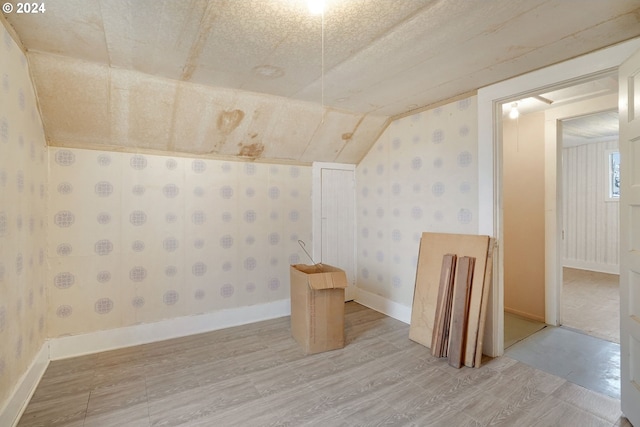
{"x": 587, "y": 129}
{"x": 593, "y": 88}
{"x": 590, "y": 128}
{"x": 246, "y": 77}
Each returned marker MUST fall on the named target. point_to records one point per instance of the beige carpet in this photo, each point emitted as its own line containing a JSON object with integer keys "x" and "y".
{"x": 591, "y": 303}
{"x": 517, "y": 328}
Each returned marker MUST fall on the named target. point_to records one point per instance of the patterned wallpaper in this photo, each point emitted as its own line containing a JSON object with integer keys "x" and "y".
{"x": 23, "y": 166}
{"x": 419, "y": 176}
{"x": 138, "y": 238}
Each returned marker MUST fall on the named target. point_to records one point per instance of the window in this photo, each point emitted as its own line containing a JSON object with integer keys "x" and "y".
{"x": 613, "y": 175}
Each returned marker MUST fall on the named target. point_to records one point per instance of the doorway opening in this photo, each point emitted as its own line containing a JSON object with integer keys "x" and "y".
{"x": 490, "y": 100}
{"x": 577, "y": 151}
{"x": 523, "y": 218}
{"x": 537, "y": 211}
{"x": 590, "y": 298}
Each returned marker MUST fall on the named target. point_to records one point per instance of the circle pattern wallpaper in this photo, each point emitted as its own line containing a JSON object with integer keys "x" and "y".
{"x": 24, "y": 218}
{"x": 140, "y": 238}
{"x": 420, "y": 176}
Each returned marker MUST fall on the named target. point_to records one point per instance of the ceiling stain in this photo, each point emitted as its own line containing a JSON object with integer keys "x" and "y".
{"x": 228, "y": 121}
{"x": 253, "y": 150}
{"x": 204, "y": 31}
{"x": 227, "y": 56}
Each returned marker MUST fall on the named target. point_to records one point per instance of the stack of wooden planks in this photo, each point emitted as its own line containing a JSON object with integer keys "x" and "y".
{"x": 442, "y": 322}
{"x": 452, "y": 311}
{"x": 451, "y": 294}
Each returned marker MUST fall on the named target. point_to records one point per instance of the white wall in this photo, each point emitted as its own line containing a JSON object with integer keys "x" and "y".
{"x": 523, "y": 192}
{"x": 419, "y": 176}
{"x": 591, "y": 236}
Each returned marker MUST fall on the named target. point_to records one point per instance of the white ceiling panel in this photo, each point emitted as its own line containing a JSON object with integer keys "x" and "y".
{"x": 149, "y": 124}
{"x": 165, "y": 71}
{"x": 332, "y": 135}
{"x": 590, "y": 128}
{"x": 67, "y": 28}
{"x": 369, "y": 128}
{"x": 286, "y": 139}
{"x": 151, "y": 36}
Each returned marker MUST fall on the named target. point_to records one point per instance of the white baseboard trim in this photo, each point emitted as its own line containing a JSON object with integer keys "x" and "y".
{"x": 94, "y": 342}
{"x": 591, "y": 266}
{"x": 383, "y": 305}
{"x": 524, "y": 314}
{"x": 16, "y": 404}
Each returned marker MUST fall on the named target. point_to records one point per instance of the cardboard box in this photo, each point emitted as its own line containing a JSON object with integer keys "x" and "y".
{"x": 317, "y": 307}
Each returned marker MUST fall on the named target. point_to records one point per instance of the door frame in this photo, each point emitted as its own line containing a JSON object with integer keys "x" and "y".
{"x": 316, "y": 209}
{"x": 490, "y": 100}
{"x": 553, "y": 179}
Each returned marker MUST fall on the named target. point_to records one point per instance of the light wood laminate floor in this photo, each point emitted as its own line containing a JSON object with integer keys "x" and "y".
{"x": 255, "y": 375}
{"x": 591, "y": 303}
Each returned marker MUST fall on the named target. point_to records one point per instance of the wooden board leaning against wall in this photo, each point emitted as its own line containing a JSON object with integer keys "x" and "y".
{"x": 433, "y": 247}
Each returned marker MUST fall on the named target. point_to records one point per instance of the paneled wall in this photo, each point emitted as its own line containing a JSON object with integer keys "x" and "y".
{"x": 419, "y": 176}
{"x": 590, "y": 222}
{"x": 138, "y": 238}
{"x": 23, "y": 172}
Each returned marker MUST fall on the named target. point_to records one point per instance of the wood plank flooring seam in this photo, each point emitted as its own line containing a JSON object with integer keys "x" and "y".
{"x": 357, "y": 385}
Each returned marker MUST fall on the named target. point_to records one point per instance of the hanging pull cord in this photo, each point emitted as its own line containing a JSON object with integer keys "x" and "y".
{"x": 302, "y": 245}
{"x": 322, "y": 65}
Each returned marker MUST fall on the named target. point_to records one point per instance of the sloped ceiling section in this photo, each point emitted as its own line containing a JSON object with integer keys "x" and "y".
{"x": 96, "y": 106}
{"x": 265, "y": 79}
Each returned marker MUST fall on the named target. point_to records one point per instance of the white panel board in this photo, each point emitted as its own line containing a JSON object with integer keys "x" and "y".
{"x": 334, "y": 219}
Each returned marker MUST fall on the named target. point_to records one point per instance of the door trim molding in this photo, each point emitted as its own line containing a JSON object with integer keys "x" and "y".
{"x": 490, "y": 99}
{"x": 554, "y": 196}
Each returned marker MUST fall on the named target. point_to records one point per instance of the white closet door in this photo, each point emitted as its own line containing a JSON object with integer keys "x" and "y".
{"x": 337, "y": 221}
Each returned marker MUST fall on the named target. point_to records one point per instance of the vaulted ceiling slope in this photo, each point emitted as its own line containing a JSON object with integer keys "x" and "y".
{"x": 266, "y": 79}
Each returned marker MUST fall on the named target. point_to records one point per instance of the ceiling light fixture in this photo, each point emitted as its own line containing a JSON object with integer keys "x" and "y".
{"x": 514, "y": 113}
{"x": 316, "y": 7}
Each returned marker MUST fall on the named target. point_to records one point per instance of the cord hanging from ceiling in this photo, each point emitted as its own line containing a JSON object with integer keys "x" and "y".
{"x": 316, "y": 7}
{"x": 322, "y": 65}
